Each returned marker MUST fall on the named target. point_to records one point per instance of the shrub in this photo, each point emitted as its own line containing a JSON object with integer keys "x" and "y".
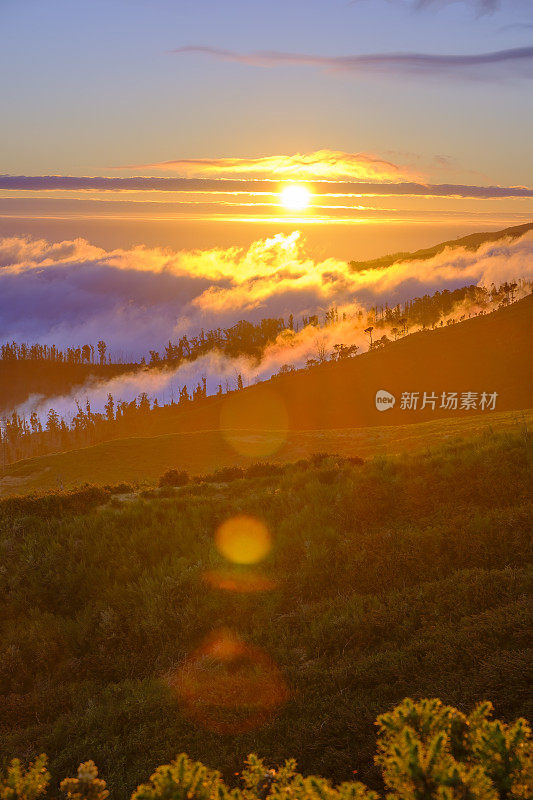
{"x": 227, "y": 474}
{"x": 429, "y": 750}
{"x": 87, "y": 786}
{"x": 25, "y": 784}
{"x": 263, "y": 470}
{"x": 173, "y": 477}
{"x": 183, "y": 779}
{"x": 55, "y": 504}
{"x": 426, "y": 750}
{"x": 119, "y": 488}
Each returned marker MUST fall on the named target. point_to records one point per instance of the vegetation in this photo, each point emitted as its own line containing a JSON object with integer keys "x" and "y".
{"x": 407, "y": 576}
{"x": 174, "y": 477}
{"x": 426, "y": 751}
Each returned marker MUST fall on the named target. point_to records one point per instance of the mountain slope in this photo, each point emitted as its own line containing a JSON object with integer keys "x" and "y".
{"x": 471, "y": 242}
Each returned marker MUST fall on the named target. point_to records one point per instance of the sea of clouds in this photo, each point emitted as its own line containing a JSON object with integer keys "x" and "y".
{"x": 71, "y": 292}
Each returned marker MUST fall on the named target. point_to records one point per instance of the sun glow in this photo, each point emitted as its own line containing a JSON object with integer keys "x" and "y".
{"x": 295, "y": 197}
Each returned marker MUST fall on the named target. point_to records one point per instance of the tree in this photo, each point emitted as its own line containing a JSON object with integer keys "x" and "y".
{"x": 35, "y": 423}
{"x": 52, "y": 421}
{"x": 109, "y": 408}
{"x": 321, "y": 350}
{"x": 369, "y": 332}
{"x": 144, "y": 403}
{"x": 102, "y": 347}
{"x": 184, "y": 396}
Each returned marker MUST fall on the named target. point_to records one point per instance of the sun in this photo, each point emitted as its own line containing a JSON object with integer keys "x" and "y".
{"x": 295, "y": 197}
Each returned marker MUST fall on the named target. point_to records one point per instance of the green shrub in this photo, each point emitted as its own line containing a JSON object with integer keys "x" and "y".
{"x": 426, "y": 751}
{"x": 25, "y": 784}
{"x": 174, "y": 477}
{"x": 227, "y": 474}
{"x": 87, "y": 785}
{"x": 263, "y": 470}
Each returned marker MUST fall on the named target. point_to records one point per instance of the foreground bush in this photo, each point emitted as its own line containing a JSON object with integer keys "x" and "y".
{"x": 426, "y": 751}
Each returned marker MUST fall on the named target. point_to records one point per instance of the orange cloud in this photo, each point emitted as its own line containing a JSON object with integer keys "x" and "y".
{"x": 318, "y": 165}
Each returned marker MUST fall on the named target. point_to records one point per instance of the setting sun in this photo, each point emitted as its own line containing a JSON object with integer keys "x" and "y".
{"x": 295, "y": 197}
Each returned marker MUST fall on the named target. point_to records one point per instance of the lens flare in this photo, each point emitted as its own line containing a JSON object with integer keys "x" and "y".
{"x": 243, "y": 540}
{"x": 238, "y": 581}
{"x": 295, "y": 197}
{"x": 228, "y": 686}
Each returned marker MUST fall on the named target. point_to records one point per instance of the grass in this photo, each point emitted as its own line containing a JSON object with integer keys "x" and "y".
{"x": 409, "y": 575}
{"x": 143, "y": 460}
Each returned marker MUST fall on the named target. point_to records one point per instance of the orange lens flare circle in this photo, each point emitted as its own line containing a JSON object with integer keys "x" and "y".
{"x": 228, "y": 686}
{"x": 243, "y": 539}
{"x": 239, "y": 582}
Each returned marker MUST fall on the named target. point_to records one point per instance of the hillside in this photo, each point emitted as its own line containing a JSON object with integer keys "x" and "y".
{"x": 325, "y": 408}
{"x": 471, "y": 242}
{"x": 400, "y": 577}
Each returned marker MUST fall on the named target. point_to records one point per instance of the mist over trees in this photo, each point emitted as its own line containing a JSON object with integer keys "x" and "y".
{"x": 25, "y": 435}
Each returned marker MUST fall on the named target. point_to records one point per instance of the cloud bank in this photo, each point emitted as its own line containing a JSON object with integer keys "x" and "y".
{"x": 501, "y": 64}
{"x": 71, "y": 292}
{"x": 149, "y": 296}
{"x": 46, "y": 183}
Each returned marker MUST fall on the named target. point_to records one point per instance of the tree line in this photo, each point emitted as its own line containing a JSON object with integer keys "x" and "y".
{"x": 248, "y": 339}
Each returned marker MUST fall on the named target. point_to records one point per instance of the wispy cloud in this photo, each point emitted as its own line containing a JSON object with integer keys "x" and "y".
{"x": 513, "y": 63}
{"x": 517, "y": 26}
{"x": 321, "y": 164}
{"x": 38, "y": 183}
{"x": 479, "y": 6}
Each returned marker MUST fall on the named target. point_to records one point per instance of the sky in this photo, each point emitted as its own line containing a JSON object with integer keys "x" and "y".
{"x": 166, "y": 134}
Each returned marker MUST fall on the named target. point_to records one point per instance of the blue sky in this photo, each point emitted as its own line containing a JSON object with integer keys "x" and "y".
{"x": 90, "y": 85}
{"x": 104, "y": 88}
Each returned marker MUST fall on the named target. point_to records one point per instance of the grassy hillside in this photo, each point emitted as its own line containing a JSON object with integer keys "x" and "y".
{"x": 407, "y": 576}
{"x": 142, "y": 460}
{"x": 471, "y": 242}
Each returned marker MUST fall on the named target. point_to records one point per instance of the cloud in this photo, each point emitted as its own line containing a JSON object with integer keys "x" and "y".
{"x": 152, "y": 296}
{"x": 71, "y": 292}
{"x": 321, "y": 164}
{"x": 513, "y": 63}
{"x": 479, "y": 6}
{"x": 46, "y": 183}
{"x": 517, "y": 26}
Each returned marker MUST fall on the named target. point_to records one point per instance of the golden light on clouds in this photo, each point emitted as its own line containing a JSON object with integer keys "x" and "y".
{"x": 320, "y": 164}
{"x": 295, "y": 197}
{"x": 243, "y": 539}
